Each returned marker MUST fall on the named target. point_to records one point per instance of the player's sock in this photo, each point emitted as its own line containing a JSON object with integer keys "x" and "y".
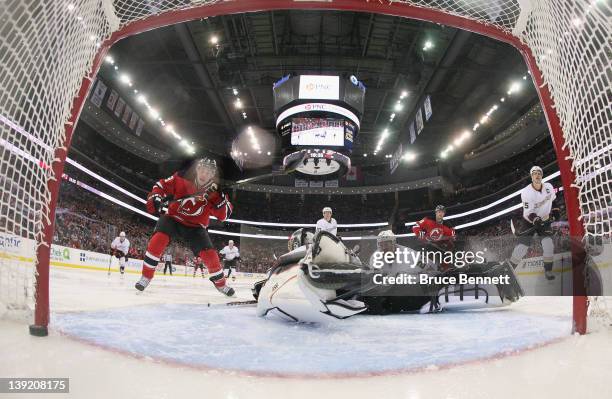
{"x": 548, "y": 273}
{"x": 518, "y": 254}
{"x": 155, "y": 248}
{"x": 211, "y": 259}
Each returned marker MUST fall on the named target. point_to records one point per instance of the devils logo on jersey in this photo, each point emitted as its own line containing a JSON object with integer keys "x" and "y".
{"x": 435, "y": 234}
{"x": 193, "y": 206}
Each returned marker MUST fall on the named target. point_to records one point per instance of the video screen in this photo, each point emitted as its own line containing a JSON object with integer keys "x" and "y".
{"x": 317, "y": 132}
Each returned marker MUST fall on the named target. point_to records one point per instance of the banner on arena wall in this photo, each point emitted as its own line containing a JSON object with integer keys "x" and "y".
{"x": 98, "y": 93}
{"x": 331, "y": 183}
{"x": 133, "y": 121}
{"x": 316, "y": 184}
{"x": 419, "y": 121}
{"x": 119, "y": 107}
{"x": 412, "y": 133}
{"x": 427, "y": 107}
{"x": 139, "y": 127}
{"x": 126, "y": 114}
{"x": 112, "y": 99}
{"x": 396, "y": 158}
{"x": 353, "y": 174}
{"x": 301, "y": 183}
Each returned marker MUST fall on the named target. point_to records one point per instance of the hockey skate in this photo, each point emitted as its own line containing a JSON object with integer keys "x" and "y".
{"x": 226, "y": 290}
{"x": 549, "y": 275}
{"x": 142, "y": 283}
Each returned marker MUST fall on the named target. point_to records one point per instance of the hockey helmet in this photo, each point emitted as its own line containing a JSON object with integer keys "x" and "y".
{"x": 122, "y": 234}
{"x": 207, "y": 163}
{"x": 327, "y": 209}
{"x": 440, "y": 208}
{"x": 536, "y": 169}
{"x": 386, "y": 240}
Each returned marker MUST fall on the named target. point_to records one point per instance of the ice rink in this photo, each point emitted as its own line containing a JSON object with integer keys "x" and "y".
{"x": 168, "y": 342}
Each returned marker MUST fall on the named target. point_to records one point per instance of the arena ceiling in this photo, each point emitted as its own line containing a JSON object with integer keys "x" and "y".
{"x": 191, "y": 79}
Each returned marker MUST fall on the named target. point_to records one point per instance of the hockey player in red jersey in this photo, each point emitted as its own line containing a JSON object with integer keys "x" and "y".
{"x": 191, "y": 197}
{"x": 435, "y": 232}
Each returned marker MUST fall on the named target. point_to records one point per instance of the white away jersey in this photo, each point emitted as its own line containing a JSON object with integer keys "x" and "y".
{"x": 121, "y": 246}
{"x": 167, "y": 257}
{"x": 331, "y": 226}
{"x": 230, "y": 253}
{"x": 538, "y": 202}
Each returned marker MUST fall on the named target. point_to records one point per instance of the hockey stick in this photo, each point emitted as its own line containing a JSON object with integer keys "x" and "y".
{"x": 286, "y": 171}
{"x": 110, "y": 261}
{"x": 290, "y": 168}
{"x": 232, "y": 304}
{"x": 530, "y": 230}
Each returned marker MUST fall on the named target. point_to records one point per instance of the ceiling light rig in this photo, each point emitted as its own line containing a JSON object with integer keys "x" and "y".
{"x": 514, "y": 88}
{"x": 153, "y": 112}
{"x": 398, "y": 107}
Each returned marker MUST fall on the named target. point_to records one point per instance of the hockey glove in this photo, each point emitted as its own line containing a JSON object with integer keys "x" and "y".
{"x": 555, "y": 213}
{"x": 537, "y": 222}
{"x": 223, "y": 199}
{"x": 210, "y": 187}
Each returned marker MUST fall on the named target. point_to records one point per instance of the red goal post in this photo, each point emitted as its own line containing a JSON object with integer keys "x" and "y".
{"x": 52, "y": 50}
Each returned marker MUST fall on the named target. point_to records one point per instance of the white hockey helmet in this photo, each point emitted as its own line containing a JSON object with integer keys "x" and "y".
{"x": 230, "y": 242}
{"x": 327, "y": 209}
{"x": 386, "y": 240}
{"x": 122, "y": 234}
{"x": 536, "y": 169}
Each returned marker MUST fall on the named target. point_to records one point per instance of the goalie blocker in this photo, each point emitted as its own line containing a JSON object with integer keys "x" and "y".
{"x": 325, "y": 281}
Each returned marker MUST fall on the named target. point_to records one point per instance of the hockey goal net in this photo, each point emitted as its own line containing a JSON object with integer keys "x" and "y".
{"x": 50, "y": 50}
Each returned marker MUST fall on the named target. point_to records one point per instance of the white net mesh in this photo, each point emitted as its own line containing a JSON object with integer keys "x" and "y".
{"x": 48, "y": 47}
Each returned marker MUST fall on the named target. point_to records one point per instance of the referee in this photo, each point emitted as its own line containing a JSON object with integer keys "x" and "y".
{"x": 167, "y": 262}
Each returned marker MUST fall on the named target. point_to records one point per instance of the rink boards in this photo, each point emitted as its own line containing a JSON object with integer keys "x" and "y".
{"x": 529, "y": 271}
{"x": 15, "y": 248}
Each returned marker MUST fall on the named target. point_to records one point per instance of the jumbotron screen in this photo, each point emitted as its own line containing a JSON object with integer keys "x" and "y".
{"x": 317, "y": 132}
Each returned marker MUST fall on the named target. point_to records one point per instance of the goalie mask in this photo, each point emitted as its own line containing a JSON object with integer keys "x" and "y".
{"x": 299, "y": 238}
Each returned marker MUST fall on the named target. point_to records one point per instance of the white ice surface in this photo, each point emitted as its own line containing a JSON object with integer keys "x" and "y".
{"x": 576, "y": 366}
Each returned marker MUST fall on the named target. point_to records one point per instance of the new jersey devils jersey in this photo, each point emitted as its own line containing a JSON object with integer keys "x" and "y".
{"x": 188, "y": 208}
{"x": 434, "y": 232}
